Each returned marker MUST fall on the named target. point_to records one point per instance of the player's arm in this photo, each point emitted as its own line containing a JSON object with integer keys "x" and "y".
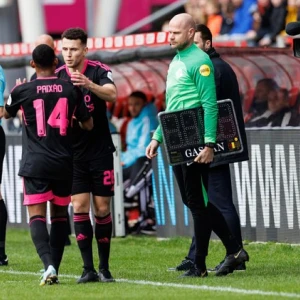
{"x": 205, "y": 83}
{"x": 12, "y": 105}
{"x": 87, "y": 124}
{"x": 104, "y": 89}
{"x": 107, "y": 92}
{"x": 6, "y": 115}
{"x": 81, "y": 113}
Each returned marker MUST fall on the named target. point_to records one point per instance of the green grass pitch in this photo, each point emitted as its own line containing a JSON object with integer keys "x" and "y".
{"x": 140, "y": 267}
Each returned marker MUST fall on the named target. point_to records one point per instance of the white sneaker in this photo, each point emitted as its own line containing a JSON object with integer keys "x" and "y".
{"x": 49, "y": 276}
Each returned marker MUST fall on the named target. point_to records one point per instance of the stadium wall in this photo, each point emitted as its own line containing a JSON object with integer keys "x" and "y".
{"x": 266, "y": 189}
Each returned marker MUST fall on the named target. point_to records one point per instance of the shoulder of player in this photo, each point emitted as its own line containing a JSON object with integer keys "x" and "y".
{"x": 19, "y": 88}
{"x": 98, "y": 65}
{"x": 61, "y": 69}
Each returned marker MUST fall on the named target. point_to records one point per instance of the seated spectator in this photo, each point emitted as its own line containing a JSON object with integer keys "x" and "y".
{"x": 227, "y": 12}
{"x": 266, "y": 36}
{"x": 196, "y": 8}
{"x": 293, "y": 11}
{"x": 243, "y": 18}
{"x": 260, "y": 101}
{"x": 214, "y": 17}
{"x": 261, "y": 20}
{"x": 279, "y": 112}
{"x": 144, "y": 120}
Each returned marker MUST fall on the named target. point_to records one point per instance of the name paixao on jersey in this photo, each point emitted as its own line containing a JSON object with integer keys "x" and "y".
{"x": 54, "y": 88}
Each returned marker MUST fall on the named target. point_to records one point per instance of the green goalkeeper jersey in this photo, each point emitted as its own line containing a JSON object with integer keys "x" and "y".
{"x": 190, "y": 84}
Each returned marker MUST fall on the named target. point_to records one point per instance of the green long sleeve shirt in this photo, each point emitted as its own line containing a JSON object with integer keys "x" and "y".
{"x": 190, "y": 84}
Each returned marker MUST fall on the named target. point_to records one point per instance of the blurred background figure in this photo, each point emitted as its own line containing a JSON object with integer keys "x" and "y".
{"x": 260, "y": 100}
{"x": 136, "y": 167}
{"x": 214, "y": 17}
{"x": 3, "y": 210}
{"x": 272, "y": 22}
{"x": 278, "y": 113}
{"x": 242, "y": 18}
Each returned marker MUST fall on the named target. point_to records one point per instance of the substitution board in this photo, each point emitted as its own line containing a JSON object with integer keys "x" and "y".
{"x": 183, "y": 133}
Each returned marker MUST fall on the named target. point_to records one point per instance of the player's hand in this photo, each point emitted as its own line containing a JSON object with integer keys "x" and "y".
{"x": 20, "y": 81}
{"x": 80, "y": 79}
{"x": 206, "y": 156}
{"x": 151, "y": 150}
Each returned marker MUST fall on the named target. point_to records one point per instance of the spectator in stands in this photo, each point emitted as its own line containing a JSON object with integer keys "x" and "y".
{"x": 274, "y": 23}
{"x": 243, "y": 19}
{"x": 279, "y": 112}
{"x": 293, "y": 11}
{"x": 196, "y": 8}
{"x": 137, "y": 137}
{"x": 261, "y": 20}
{"x": 214, "y": 17}
{"x": 260, "y": 101}
{"x": 227, "y": 12}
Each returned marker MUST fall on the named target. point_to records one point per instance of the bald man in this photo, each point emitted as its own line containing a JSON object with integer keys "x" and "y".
{"x": 191, "y": 84}
{"x": 45, "y": 39}
{"x": 48, "y": 40}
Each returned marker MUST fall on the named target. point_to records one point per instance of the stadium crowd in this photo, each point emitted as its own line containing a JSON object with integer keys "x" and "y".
{"x": 259, "y": 22}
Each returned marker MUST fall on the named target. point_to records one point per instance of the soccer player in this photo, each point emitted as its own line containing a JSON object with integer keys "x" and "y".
{"x": 48, "y": 106}
{"x": 93, "y": 154}
{"x": 3, "y": 211}
{"x": 190, "y": 84}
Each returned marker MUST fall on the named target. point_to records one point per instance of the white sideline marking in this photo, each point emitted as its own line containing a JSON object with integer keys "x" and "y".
{"x": 177, "y": 285}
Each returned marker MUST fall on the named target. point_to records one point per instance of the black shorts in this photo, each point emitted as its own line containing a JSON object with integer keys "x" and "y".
{"x": 96, "y": 177}
{"x": 2, "y": 151}
{"x": 40, "y": 190}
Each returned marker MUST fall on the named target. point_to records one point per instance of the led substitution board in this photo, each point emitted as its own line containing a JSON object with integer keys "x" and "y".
{"x": 183, "y": 133}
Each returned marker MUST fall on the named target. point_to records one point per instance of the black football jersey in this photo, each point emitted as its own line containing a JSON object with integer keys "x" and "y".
{"x": 90, "y": 145}
{"x": 49, "y": 107}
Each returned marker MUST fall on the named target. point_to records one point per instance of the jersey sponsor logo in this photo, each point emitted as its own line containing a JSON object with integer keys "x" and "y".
{"x": 9, "y": 100}
{"x": 204, "y": 70}
{"x": 109, "y": 75}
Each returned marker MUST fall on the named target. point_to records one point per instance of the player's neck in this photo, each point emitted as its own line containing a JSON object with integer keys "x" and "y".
{"x": 79, "y": 67}
{"x": 44, "y": 73}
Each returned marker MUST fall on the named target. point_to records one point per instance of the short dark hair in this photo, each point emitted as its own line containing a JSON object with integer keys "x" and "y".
{"x": 75, "y": 33}
{"x": 269, "y": 83}
{"x": 205, "y": 32}
{"x": 139, "y": 94}
{"x": 43, "y": 56}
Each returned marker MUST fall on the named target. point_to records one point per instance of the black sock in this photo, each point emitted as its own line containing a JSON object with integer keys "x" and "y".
{"x": 222, "y": 230}
{"x": 84, "y": 236}
{"x": 40, "y": 238}
{"x": 103, "y": 232}
{"x": 3, "y": 223}
{"x": 58, "y": 237}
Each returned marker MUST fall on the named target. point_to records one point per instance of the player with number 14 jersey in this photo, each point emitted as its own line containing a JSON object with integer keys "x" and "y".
{"x": 48, "y": 106}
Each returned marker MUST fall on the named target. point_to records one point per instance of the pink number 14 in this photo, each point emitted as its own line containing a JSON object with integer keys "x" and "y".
{"x": 57, "y": 119}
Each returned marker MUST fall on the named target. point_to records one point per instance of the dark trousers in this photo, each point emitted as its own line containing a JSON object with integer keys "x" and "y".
{"x": 220, "y": 195}
{"x": 193, "y": 182}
